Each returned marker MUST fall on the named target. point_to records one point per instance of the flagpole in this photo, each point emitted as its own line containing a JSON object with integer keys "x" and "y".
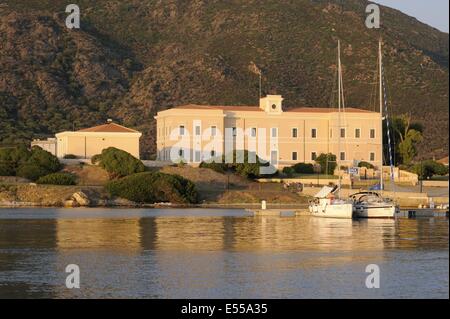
{"x": 260, "y": 81}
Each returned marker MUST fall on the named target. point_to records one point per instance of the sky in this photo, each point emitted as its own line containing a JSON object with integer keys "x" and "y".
{"x": 431, "y": 12}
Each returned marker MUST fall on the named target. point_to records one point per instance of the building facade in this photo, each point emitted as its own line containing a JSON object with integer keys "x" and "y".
{"x": 88, "y": 142}
{"x": 195, "y": 133}
{"x": 48, "y": 145}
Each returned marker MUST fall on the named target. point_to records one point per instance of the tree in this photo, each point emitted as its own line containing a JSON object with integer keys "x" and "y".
{"x": 327, "y": 163}
{"x": 119, "y": 163}
{"x": 406, "y": 136}
{"x": 429, "y": 168}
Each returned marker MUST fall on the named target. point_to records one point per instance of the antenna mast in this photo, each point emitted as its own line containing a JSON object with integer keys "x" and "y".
{"x": 380, "y": 58}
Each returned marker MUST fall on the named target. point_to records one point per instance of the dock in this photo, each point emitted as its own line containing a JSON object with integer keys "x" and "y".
{"x": 279, "y": 212}
{"x": 423, "y": 212}
{"x": 404, "y": 213}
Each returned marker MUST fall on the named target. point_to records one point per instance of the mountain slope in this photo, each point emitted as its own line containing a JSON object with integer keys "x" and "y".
{"x": 133, "y": 58}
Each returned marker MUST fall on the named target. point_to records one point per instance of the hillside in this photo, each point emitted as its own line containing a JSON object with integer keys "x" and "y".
{"x": 133, "y": 58}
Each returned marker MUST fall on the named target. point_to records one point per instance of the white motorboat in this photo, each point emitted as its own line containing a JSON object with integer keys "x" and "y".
{"x": 373, "y": 205}
{"x": 326, "y": 205}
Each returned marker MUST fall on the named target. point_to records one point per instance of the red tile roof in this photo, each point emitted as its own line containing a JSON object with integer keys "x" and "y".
{"x": 257, "y": 109}
{"x": 109, "y": 128}
{"x": 443, "y": 160}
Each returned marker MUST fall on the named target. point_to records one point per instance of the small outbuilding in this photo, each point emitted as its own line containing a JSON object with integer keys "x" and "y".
{"x": 88, "y": 142}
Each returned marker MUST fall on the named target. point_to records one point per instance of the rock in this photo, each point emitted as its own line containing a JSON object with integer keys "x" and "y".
{"x": 81, "y": 198}
{"x": 70, "y": 203}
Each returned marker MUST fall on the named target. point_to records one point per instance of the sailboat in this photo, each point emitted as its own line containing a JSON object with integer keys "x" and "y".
{"x": 324, "y": 203}
{"x": 371, "y": 204}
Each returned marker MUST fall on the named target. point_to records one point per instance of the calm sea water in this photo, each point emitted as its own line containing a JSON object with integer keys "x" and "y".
{"x": 202, "y": 253}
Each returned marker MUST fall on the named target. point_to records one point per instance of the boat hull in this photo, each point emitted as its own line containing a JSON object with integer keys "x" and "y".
{"x": 333, "y": 211}
{"x": 382, "y": 211}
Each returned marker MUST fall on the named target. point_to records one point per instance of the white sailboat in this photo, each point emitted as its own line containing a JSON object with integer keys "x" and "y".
{"x": 371, "y": 204}
{"x": 324, "y": 203}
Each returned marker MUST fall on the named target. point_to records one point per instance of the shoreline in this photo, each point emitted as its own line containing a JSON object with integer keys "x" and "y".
{"x": 157, "y": 205}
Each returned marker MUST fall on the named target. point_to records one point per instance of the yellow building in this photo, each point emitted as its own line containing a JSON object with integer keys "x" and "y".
{"x": 195, "y": 133}
{"x": 88, "y": 142}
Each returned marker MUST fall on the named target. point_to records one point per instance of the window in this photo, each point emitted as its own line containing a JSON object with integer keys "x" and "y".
{"x": 274, "y": 131}
{"x": 313, "y": 133}
{"x": 331, "y": 133}
{"x": 294, "y": 132}
{"x": 213, "y": 153}
{"x": 181, "y": 130}
{"x": 342, "y": 156}
{"x": 180, "y": 153}
{"x": 313, "y": 156}
{"x": 294, "y": 156}
{"x": 357, "y": 133}
{"x": 372, "y": 133}
{"x": 253, "y": 132}
{"x": 372, "y": 156}
{"x": 342, "y": 132}
{"x": 234, "y": 131}
{"x": 213, "y": 130}
{"x": 197, "y": 130}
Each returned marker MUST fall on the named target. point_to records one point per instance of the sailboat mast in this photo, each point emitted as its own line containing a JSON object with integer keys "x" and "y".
{"x": 338, "y": 156}
{"x": 380, "y": 59}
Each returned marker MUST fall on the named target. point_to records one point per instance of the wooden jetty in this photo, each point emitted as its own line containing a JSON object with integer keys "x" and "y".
{"x": 279, "y": 212}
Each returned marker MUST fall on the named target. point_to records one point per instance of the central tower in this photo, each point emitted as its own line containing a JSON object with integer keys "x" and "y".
{"x": 271, "y": 104}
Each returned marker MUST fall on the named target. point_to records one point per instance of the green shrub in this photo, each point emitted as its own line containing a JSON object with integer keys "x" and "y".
{"x": 96, "y": 159}
{"x": 245, "y": 169}
{"x": 31, "y": 171}
{"x": 148, "y": 187}
{"x": 7, "y": 169}
{"x": 44, "y": 159}
{"x": 366, "y": 165}
{"x": 14, "y": 156}
{"x": 119, "y": 163}
{"x": 288, "y": 171}
{"x": 327, "y": 163}
{"x": 218, "y": 167}
{"x": 70, "y": 156}
{"x": 303, "y": 168}
{"x": 429, "y": 168}
{"x": 57, "y": 179}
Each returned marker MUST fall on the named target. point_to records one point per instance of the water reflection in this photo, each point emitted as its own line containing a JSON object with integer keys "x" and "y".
{"x": 215, "y": 256}
{"x": 236, "y": 233}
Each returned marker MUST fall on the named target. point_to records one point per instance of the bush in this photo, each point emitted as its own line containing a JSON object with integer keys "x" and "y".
{"x": 303, "y": 168}
{"x": 70, "y": 156}
{"x": 429, "y": 168}
{"x": 288, "y": 171}
{"x": 366, "y": 165}
{"x": 6, "y": 169}
{"x": 44, "y": 159}
{"x": 32, "y": 171}
{"x": 96, "y": 159}
{"x": 151, "y": 187}
{"x": 327, "y": 163}
{"x": 245, "y": 169}
{"x": 57, "y": 179}
{"x": 218, "y": 167}
{"x": 119, "y": 163}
